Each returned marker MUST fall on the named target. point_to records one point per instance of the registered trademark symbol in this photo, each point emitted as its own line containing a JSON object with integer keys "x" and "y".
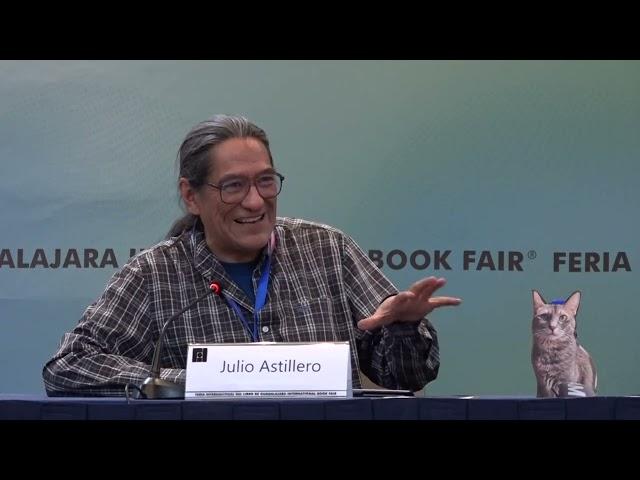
{"x": 531, "y": 254}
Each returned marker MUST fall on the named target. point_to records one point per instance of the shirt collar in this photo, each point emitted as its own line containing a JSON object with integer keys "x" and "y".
{"x": 211, "y": 269}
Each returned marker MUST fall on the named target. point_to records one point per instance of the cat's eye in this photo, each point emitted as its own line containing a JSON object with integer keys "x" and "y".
{"x": 563, "y": 318}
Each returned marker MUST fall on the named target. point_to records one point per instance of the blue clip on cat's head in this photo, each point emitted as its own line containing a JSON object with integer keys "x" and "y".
{"x": 559, "y": 301}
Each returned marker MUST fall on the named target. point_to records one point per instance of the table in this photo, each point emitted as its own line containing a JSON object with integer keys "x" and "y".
{"x": 40, "y": 407}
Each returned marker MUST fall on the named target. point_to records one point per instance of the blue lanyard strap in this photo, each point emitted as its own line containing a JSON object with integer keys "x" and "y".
{"x": 261, "y": 299}
{"x": 263, "y": 284}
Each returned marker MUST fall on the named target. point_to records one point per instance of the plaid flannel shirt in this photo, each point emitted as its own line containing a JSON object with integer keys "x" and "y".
{"x": 321, "y": 284}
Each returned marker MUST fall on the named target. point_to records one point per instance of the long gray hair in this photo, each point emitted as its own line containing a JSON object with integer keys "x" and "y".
{"x": 194, "y": 160}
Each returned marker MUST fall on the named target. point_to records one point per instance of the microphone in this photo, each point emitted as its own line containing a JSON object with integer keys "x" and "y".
{"x": 573, "y": 389}
{"x": 154, "y": 387}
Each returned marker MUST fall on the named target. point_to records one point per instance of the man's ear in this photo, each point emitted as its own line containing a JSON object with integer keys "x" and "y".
{"x": 188, "y": 194}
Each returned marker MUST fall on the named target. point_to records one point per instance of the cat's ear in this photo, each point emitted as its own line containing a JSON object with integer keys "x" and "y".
{"x": 573, "y": 303}
{"x": 538, "y": 301}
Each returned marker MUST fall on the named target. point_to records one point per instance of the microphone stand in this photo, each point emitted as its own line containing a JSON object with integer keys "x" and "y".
{"x": 155, "y": 387}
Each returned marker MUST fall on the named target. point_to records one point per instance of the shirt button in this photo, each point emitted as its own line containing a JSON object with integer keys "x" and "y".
{"x": 265, "y": 329}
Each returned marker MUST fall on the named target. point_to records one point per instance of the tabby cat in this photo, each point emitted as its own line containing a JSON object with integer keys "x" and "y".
{"x": 557, "y": 357}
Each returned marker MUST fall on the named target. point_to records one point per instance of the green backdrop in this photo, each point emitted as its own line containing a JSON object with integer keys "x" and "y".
{"x": 414, "y": 159}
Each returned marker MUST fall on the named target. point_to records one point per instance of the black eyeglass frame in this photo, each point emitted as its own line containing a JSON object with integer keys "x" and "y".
{"x": 252, "y": 182}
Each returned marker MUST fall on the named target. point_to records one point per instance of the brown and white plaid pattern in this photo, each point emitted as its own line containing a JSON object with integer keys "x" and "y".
{"x": 321, "y": 284}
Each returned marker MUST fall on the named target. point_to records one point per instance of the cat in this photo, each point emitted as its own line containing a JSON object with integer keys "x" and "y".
{"x": 557, "y": 356}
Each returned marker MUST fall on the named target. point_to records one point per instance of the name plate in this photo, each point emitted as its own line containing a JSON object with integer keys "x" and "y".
{"x": 268, "y": 370}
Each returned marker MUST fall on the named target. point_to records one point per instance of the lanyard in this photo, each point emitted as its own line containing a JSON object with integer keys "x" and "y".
{"x": 261, "y": 294}
{"x": 261, "y": 298}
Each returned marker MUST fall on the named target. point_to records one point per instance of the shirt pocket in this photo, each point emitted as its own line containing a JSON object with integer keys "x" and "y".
{"x": 310, "y": 320}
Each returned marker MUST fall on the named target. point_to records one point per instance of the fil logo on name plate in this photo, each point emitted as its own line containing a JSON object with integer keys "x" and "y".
{"x": 199, "y": 355}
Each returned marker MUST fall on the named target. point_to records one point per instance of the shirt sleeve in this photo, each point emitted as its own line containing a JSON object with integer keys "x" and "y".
{"x": 111, "y": 344}
{"x": 400, "y": 355}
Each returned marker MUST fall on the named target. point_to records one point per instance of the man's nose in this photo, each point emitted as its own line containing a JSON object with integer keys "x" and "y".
{"x": 253, "y": 199}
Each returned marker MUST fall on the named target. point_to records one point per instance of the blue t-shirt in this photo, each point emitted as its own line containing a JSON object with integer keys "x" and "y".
{"x": 242, "y": 273}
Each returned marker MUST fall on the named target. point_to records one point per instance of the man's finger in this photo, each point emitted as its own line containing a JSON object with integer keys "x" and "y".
{"x": 422, "y": 284}
{"x": 370, "y": 323}
{"x": 426, "y": 287}
{"x": 444, "y": 301}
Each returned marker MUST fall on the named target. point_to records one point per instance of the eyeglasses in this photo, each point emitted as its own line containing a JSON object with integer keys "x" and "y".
{"x": 234, "y": 190}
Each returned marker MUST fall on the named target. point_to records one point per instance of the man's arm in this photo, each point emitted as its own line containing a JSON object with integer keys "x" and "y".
{"x": 397, "y": 345}
{"x": 111, "y": 344}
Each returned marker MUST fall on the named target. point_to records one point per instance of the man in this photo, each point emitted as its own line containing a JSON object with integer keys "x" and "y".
{"x": 285, "y": 280}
